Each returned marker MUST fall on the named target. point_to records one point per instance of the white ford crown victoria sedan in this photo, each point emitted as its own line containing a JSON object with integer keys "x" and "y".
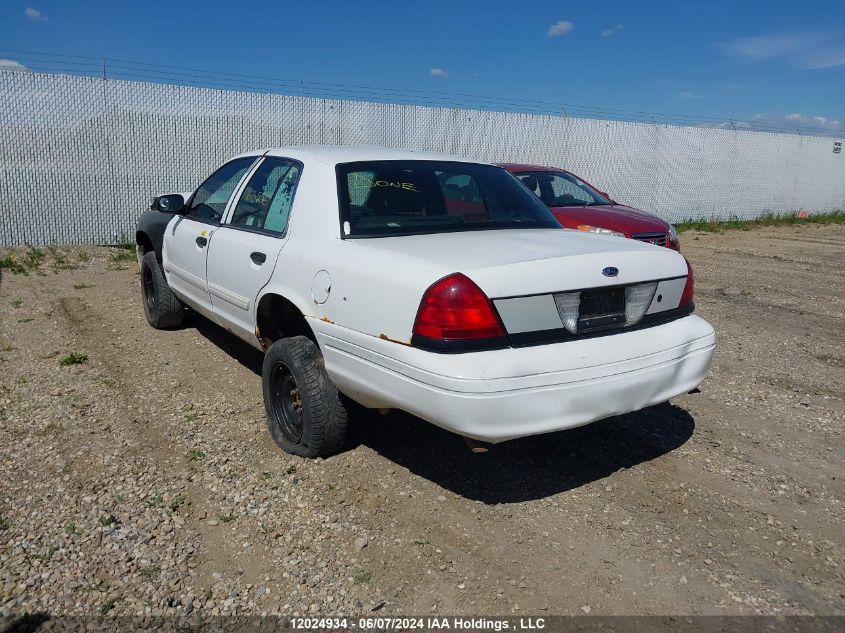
{"x": 422, "y": 282}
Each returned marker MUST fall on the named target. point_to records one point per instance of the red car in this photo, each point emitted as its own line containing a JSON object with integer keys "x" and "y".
{"x": 578, "y": 205}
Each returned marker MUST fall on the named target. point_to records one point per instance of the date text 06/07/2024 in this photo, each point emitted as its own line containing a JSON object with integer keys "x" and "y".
{"x": 419, "y": 623}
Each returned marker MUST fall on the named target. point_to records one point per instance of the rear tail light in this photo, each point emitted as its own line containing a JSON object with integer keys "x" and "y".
{"x": 455, "y": 309}
{"x": 689, "y": 288}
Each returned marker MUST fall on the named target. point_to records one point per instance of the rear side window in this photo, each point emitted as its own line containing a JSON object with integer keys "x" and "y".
{"x": 267, "y": 199}
{"x": 383, "y": 198}
{"x": 558, "y": 189}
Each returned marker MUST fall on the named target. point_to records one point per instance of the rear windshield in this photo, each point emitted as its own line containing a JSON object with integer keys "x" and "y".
{"x": 386, "y": 198}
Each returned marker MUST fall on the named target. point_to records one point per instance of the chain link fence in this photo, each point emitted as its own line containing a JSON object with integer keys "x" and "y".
{"x": 80, "y": 157}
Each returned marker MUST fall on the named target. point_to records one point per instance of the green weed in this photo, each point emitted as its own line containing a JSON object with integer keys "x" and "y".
{"x": 73, "y": 359}
{"x": 715, "y": 225}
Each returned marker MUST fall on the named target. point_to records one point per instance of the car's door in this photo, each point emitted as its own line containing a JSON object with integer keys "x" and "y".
{"x": 187, "y": 236}
{"x": 243, "y": 254}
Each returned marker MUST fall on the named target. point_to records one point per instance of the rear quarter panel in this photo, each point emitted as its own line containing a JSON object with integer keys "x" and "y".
{"x": 369, "y": 291}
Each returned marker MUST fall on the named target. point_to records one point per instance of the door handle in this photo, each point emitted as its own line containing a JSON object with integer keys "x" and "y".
{"x": 258, "y": 258}
{"x": 201, "y": 241}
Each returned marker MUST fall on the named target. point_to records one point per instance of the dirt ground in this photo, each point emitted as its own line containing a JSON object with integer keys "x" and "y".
{"x": 141, "y": 479}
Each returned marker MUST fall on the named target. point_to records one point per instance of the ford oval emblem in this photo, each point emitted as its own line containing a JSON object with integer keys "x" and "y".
{"x": 610, "y": 271}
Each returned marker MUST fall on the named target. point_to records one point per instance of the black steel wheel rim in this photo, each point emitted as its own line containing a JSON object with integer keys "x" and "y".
{"x": 149, "y": 288}
{"x": 286, "y": 403}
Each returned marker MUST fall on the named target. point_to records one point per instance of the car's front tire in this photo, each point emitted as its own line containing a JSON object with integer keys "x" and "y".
{"x": 305, "y": 415}
{"x": 162, "y": 308}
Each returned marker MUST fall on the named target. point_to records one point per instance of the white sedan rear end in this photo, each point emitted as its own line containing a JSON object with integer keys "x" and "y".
{"x": 431, "y": 284}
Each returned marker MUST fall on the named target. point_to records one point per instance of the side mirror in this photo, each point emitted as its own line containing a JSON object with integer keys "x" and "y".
{"x": 170, "y": 203}
{"x": 606, "y": 195}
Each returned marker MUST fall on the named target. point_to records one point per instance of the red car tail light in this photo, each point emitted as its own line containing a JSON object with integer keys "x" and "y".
{"x": 456, "y": 309}
{"x": 689, "y": 288}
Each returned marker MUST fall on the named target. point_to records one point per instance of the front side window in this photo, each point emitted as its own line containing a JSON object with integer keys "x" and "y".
{"x": 557, "y": 189}
{"x": 384, "y": 198}
{"x": 209, "y": 201}
{"x": 268, "y": 196}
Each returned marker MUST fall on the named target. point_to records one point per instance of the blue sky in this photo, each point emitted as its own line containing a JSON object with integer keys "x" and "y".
{"x": 746, "y": 61}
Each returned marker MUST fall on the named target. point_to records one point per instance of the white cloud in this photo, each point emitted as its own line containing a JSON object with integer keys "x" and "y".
{"x": 438, "y": 72}
{"x": 34, "y": 14}
{"x": 794, "y": 122}
{"x": 561, "y": 27}
{"x": 808, "y": 50}
{"x": 10, "y": 65}
{"x": 818, "y": 122}
{"x": 609, "y": 32}
{"x": 687, "y": 95}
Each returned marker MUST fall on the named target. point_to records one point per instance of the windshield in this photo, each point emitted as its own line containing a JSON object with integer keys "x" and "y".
{"x": 559, "y": 189}
{"x": 384, "y": 198}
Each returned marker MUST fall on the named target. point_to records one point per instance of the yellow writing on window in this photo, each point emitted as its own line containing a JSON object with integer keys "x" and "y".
{"x": 357, "y": 181}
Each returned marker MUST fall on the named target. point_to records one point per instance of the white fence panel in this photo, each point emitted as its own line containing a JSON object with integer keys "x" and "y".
{"x": 80, "y": 157}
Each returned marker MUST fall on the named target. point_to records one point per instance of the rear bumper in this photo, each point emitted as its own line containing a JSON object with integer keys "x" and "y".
{"x": 503, "y": 394}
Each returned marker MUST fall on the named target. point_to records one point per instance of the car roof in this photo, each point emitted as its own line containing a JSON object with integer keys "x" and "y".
{"x": 335, "y": 154}
{"x": 520, "y": 167}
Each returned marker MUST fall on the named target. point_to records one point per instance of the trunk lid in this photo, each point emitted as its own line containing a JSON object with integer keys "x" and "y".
{"x": 511, "y": 263}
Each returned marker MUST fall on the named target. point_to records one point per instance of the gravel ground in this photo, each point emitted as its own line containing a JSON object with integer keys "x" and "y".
{"x": 138, "y": 477}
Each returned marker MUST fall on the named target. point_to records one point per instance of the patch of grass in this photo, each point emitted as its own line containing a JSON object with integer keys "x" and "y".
{"x": 290, "y": 470}
{"x": 23, "y": 264}
{"x": 82, "y": 286}
{"x": 71, "y": 529}
{"x": 73, "y": 359}
{"x": 52, "y": 428}
{"x": 60, "y": 260}
{"x": 156, "y": 501}
{"x": 106, "y": 607}
{"x": 16, "y": 303}
{"x": 33, "y": 258}
{"x": 226, "y": 518}
{"x": 195, "y": 454}
{"x": 45, "y": 557}
{"x": 107, "y": 520}
{"x": 715, "y": 225}
{"x": 362, "y": 577}
{"x": 190, "y": 413}
{"x": 83, "y": 256}
{"x": 177, "y": 502}
{"x": 5, "y": 523}
{"x": 123, "y": 253}
{"x": 151, "y": 572}
{"x": 11, "y": 263}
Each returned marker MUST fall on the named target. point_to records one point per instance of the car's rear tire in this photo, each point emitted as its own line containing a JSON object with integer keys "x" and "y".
{"x": 305, "y": 415}
{"x": 162, "y": 308}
